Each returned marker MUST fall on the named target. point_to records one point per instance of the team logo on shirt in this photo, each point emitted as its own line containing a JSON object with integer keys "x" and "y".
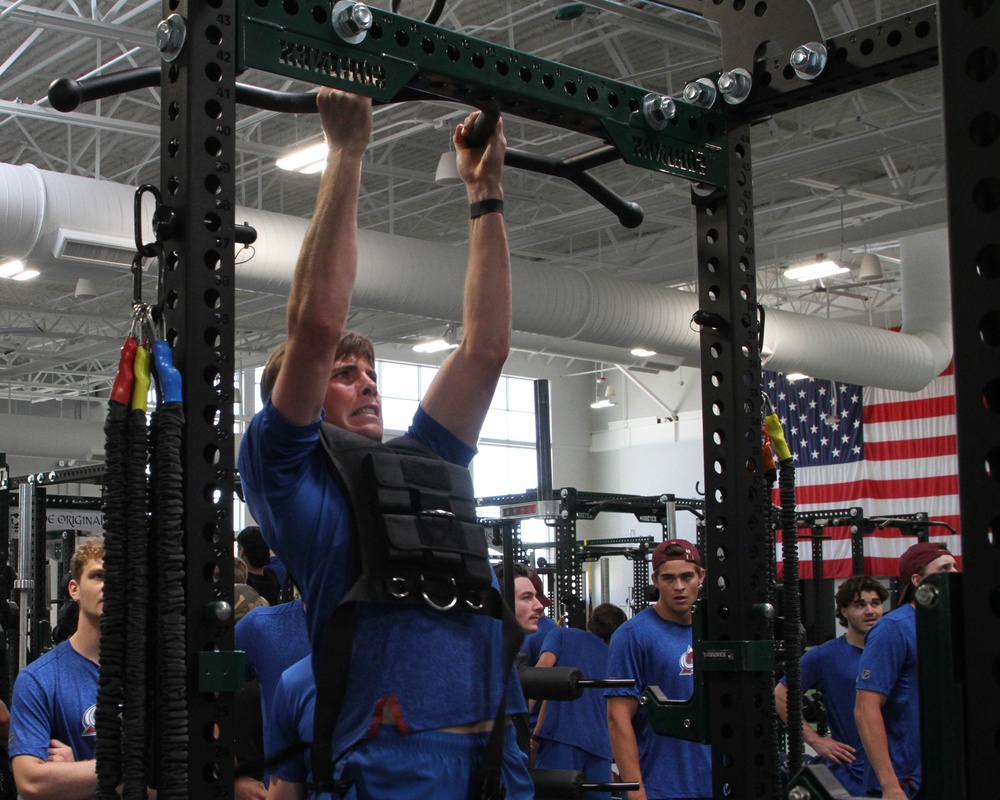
{"x": 89, "y": 722}
{"x": 866, "y": 674}
{"x": 687, "y": 661}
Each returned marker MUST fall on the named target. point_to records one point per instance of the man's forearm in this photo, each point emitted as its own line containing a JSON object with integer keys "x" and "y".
{"x": 44, "y": 780}
{"x": 623, "y": 745}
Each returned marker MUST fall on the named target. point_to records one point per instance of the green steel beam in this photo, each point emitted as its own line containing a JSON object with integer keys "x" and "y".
{"x": 404, "y": 59}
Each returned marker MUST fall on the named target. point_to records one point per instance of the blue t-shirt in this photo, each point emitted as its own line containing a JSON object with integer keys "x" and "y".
{"x": 291, "y": 722}
{"x": 832, "y": 668}
{"x": 273, "y": 638}
{"x": 54, "y": 697}
{"x": 889, "y": 666}
{"x": 657, "y": 652}
{"x": 582, "y": 722}
{"x": 532, "y": 646}
{"x": 444, "y": 669}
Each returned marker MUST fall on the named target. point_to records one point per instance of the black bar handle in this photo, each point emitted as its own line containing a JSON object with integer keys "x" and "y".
{"x": 482, "y": 127}
{"x": 629, "y": 214}
{"x": 567, "y": 784}
{"x": 66, "y": 94}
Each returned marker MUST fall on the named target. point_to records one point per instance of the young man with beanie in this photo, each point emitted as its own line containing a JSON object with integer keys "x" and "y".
{"x": 655, "y": 647}
{"x": 832, "y": 668}
{"x": 887, "y": 708}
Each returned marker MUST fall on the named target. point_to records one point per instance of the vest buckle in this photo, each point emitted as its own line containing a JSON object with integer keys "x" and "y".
{"x": 437, "y": 606}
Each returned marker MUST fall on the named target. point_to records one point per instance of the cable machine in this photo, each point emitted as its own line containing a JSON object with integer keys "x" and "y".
{"x": 703, "y": 137}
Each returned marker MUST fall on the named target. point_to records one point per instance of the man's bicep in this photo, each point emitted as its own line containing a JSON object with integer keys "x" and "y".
{"x": 622, "y": 709}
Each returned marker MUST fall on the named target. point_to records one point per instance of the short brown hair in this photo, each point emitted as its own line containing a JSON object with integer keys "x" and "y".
{"x": 239, "y": 570}
{"x": 605, "y": 620}
{"x": 92, "y": 549}
{"x": 350, "y": 344}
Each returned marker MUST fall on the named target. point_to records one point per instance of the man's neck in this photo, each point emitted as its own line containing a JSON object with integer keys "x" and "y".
{"x": 672, "y": 616}
{"x": 255, "y": 570}
{"x": 87, "y": 640}
{"x": 855, "y": 638}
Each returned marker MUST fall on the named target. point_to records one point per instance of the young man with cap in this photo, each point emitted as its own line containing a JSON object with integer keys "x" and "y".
{"x": 832, "y": 668}
{"x": 655, "y": 648}
{"x": 887, "y": 708}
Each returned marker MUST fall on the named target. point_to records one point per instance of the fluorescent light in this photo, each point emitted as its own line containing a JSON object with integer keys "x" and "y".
{"x": 642, "y": 352}
{"x": 434, "y": 346}
{"x": 791, "y": 377}
{"x": 812, "y": 270}
{"x": 10, "y": 268}
{"x": 603, "y": 403}
{"x": 308, "y": 160}
{"x": 26, "y": 275}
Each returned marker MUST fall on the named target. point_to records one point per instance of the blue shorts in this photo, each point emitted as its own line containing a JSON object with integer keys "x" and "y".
{"x": 427, "y": 766}
{"x": 558, "y": 755}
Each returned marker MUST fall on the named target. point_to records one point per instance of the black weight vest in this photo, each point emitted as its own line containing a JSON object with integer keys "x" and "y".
{"x": 417, "y": 542}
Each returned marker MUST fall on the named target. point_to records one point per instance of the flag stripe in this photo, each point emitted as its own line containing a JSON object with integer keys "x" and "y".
{"x": 911, "y": 448}
{"x": 871, "y": 490}
{"x": 925, "y": 408}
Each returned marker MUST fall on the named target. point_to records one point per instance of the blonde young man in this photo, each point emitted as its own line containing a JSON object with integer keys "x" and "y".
{"x": 655, "y": 647}
{"x": 52, "y": 733}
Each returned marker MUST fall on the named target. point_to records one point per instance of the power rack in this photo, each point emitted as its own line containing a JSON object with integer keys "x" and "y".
{"x": 204, "y": 50}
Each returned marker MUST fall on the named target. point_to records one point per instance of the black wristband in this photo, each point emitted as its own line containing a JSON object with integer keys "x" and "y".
{"x": 477, "y": 209}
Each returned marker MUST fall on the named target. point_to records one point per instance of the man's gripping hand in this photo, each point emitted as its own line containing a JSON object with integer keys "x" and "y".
{"x": 481, "y": 167}
{"x": 346, "y": 119}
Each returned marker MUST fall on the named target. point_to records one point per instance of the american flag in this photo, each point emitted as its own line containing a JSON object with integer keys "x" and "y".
{"x": 889, "y": 452}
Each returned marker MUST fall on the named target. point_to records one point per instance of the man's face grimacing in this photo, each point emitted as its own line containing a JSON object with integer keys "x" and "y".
{"x": 678, "y": 583}
{"x": 863, "y": 612}
{"x": 527, "y": 607}
{"x": 352, "y": 401}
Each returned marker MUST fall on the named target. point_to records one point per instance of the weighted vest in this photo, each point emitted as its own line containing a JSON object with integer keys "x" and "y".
{"x": 418, "y": 543}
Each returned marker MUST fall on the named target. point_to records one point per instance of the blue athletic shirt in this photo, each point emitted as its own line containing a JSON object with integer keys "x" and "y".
{"x": 54, "y": 697}
{"x": 832, "y": 668}
{"x": 533, "y": 642}
{"x": 444, "y": 669}
{"x": 582, "y": 722}
{"x": 273, "y": 638}
{"x": 290, "y": 721}
{"x": 657, "y": 652}
{"x": 889, "y": 666}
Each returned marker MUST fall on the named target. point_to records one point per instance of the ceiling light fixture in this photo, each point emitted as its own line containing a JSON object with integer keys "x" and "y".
{"x": 609, "y": 393}
{"x": 447, "y": 170}
{"x": 791, "y": 377}
{"x": 85, "y": 289}
{"x": 871, "y": 268}
{"x": 26, "y": 275}
{"x": 10, "y": 268}
{"x": 307, "y": 160}
{"x": 642, "y": 352}
{"x": 820, "y": 267}
{"x": 449, "y": 341}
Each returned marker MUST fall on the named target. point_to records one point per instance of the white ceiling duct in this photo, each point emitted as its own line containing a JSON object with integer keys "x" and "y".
{"x": 424, "y": 278}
